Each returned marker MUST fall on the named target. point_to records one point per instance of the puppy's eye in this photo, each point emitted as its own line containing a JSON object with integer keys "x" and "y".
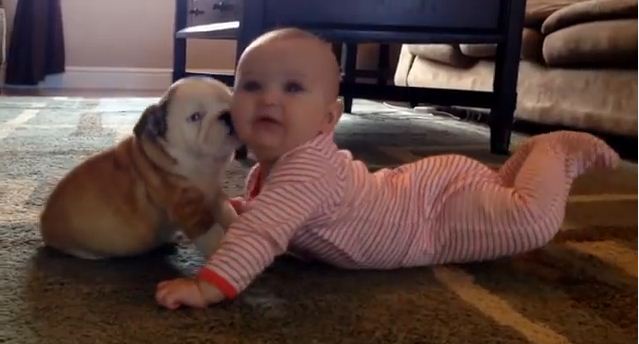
{"x": 195, "y": 117}
{"x": 293, "y": 87}
{"x": 251, "y": 86}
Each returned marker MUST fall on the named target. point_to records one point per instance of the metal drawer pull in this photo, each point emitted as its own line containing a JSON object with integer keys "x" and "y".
{"x": 196, "y": 11}
{"x": 222, "y": 6}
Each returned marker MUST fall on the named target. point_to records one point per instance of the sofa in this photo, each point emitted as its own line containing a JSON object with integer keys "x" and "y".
{"x": 578, "y": 65}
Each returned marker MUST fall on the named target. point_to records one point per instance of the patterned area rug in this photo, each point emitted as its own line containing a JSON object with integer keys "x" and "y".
{"x": 581, "y": 288}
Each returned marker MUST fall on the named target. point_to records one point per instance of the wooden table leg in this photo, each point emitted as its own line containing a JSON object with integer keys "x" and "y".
{"x": 505, "y": 80}
{"x": 179, "y": 58}
{"x": 383, "y": 68}
{"x": 179, "y": 44}
{"x": 349, "y": 62}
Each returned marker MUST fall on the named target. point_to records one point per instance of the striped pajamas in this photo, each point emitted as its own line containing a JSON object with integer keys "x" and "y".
{"x": 320, "y": 203}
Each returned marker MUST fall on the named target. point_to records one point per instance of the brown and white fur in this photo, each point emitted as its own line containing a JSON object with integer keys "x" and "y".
{"x": 166, "y": 177}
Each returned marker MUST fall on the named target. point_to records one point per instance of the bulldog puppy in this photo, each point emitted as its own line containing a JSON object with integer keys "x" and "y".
{"x": 166, "y": 177}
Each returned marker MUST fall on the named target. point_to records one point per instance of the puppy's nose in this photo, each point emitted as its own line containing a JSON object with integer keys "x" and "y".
{"x": 226, "y": 118}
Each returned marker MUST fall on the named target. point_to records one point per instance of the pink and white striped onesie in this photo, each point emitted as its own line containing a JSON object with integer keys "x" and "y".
{"x": 320, "y": 203}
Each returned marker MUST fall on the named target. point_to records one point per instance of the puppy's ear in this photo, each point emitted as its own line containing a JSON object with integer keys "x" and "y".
{"x": 152, "y": 123}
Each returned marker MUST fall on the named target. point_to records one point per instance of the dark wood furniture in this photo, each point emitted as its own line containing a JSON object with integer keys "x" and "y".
{"x": 203, "y": 19}
{"x": 406, "y": 21}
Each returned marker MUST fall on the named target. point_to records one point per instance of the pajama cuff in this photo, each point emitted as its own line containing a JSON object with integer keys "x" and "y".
{"x": 218, "y": 281}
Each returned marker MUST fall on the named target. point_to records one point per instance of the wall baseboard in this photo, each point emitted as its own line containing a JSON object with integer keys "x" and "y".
{"x": 120, "y": 78}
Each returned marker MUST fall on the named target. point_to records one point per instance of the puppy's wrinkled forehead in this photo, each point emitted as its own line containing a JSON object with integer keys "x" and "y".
{"x": 210, "y": 94}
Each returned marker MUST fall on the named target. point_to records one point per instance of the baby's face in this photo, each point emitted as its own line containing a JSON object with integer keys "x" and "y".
{"x": 283, "y": 97}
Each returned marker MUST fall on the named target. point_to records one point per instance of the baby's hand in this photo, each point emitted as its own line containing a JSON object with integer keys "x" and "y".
{"x": 188, "y": 292}
{"x": 238, "y": 204}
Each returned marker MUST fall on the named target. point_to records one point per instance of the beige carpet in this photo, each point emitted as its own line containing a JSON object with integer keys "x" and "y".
{"x": 581, "y": 288}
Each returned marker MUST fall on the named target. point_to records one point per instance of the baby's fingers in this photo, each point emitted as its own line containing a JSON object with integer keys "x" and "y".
{"x": 238, "y": 204}
{"x": 168, "y": 300}
{"x": 167, "y": 297}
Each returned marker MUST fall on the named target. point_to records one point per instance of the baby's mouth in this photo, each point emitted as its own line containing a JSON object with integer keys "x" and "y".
{"x": 267, "y": 120}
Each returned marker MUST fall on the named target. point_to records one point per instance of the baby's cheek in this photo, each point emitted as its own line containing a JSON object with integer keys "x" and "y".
{"x": 243, "y": 131}
{"x": 240, "y": 120}
{"x": 239, "y": 108}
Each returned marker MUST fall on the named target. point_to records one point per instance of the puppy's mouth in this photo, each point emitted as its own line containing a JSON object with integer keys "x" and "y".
{"x": 226, "y": 119}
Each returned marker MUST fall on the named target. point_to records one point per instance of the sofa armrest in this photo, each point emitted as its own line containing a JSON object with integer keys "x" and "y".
{"x": 588, "y": 11}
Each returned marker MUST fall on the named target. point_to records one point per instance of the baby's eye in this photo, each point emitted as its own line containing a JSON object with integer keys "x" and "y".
{"x": 293, "y": 87}
{"x": 251, "y": 86}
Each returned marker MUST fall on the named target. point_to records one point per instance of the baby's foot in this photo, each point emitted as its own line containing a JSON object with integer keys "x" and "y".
{"x": 583, "y": 151}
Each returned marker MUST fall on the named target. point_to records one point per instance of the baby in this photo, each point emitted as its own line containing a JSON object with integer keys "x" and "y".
{"x": 310, "y": 198}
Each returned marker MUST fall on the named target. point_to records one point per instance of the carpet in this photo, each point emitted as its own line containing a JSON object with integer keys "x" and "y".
{"x": 581, "y": 288}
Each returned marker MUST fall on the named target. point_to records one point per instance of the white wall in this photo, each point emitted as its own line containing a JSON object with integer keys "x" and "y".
{"x": 129, "y": 33}
{"x": 108, "y": 39}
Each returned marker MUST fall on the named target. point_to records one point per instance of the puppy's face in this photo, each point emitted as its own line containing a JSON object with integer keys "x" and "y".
{"x": 192, "y": 120}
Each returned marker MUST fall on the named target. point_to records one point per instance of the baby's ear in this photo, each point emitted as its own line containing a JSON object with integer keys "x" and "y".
{"x": 334, "y": 113}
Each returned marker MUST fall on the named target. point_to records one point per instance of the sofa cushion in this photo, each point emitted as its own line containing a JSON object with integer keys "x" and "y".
{"x": 444, "y": 53}
{"x": 538, "y": 10}
{"x": 601, "y": 43}
{"x": 531, "y": 45}
{"x": 587, "y": 11}
{"x": 479, "y": 51}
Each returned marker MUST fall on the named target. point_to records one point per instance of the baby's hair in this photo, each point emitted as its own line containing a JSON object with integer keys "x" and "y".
{"x": 292, "y": 33}
{"x": 288, "y": 33}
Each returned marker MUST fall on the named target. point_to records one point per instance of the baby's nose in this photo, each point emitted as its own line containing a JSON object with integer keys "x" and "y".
{"x": 270, "y": 96}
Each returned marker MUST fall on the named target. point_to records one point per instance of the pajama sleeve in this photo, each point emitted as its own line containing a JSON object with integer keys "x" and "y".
{"x": 289, "y": 199}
